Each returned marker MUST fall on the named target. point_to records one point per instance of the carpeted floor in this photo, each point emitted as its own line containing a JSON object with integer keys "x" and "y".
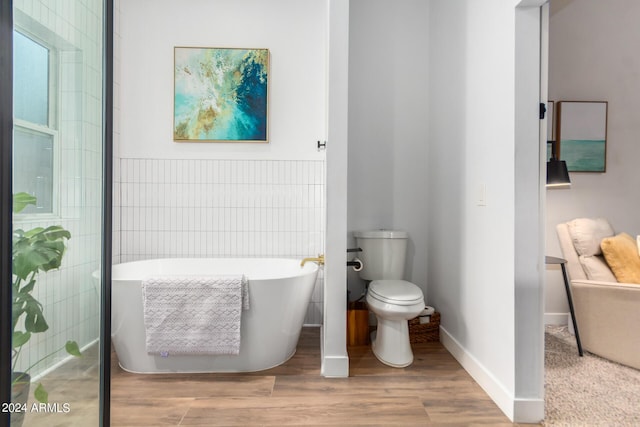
{"x": 587, "y": 391}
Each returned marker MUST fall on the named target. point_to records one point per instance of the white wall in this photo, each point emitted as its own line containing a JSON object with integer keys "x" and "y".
{"x": 335, "y": 360}
{"x": 530, "y": 180}
{"x": 222, "y": 199}
{"x": 474, "y": 220}
{"x": 293, "y": 31}
{"x": 117, "y": 117}
{"x": 594, "y": 57}
{"x": 471, "y": 248}
{"x": 388, "y": 125}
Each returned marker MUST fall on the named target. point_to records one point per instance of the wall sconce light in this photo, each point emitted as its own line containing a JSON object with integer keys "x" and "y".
{"x": 557, "y": 172}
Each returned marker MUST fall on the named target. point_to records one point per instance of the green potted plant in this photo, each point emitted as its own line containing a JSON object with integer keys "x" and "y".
{"x": 34, "y": 251}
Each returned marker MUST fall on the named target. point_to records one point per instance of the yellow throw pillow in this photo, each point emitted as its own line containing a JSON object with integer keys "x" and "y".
{"x": 621, "y": 254}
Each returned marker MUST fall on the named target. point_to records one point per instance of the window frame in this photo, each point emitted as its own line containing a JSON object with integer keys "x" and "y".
{"x": 52, "y": 128}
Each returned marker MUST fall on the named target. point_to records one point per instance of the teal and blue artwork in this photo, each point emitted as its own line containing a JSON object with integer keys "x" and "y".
{"x": 583, "y": 135}
{"x": 584, "y": 155}
{"x": 220, "y": 94}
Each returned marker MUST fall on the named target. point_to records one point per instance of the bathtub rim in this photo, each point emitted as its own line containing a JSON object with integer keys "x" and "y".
{"x": 117, "y": 275}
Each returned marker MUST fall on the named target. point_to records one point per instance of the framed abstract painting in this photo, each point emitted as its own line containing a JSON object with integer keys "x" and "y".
{"x": 220, "y": 94}
{"x": 582, "y": 131}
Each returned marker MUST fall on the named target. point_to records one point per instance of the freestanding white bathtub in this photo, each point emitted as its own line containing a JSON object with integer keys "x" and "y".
{"x": 279, "y": 293}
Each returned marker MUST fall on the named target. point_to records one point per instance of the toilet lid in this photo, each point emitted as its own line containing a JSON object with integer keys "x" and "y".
{"x": 398, "y": 292}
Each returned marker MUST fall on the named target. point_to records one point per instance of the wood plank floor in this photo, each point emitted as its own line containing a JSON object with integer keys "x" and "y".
{"x": 433, "y": 391}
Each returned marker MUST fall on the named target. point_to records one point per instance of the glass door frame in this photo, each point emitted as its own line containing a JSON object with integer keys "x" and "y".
{"x": 6, "y": 200}
{"x": 107, "y": 214}
{"x": 6, "y": 203}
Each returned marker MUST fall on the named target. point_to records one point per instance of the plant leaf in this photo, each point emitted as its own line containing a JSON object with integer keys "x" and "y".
{"x": 28, "y": 287}
{"x": 20, "y": 338}
{"x": 55, "y": 232}
{"x": 72, "y": 348}
{"x": 34, "y": 320}
{"x": 21, "y": 200}
{"x": 41, "y": 394}
{"x": 38, "y": 249}
{"x": 17, "y": 311}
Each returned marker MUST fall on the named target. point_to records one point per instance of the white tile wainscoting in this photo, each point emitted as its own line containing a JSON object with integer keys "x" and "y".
{"x": 169, "y": 208}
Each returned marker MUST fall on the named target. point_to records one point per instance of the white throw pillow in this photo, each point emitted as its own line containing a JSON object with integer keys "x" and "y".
{"x": 587, "y": 233}
{"x": 596, "y": 268}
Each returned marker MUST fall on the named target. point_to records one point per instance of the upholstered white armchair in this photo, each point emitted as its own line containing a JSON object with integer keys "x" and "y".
{"x": 607, "y": 311}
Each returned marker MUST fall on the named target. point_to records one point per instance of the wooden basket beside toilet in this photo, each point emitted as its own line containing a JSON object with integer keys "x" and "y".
{"x": 357, "y": 323}
{"x": 424, "y": 332}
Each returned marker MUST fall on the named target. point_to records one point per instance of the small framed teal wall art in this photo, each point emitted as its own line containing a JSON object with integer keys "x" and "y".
{"x": 220, "y": 94}
{"x": 582, "y": 130}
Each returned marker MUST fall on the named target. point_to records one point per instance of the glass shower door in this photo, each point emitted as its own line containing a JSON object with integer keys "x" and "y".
{"x": 58, "y": 213}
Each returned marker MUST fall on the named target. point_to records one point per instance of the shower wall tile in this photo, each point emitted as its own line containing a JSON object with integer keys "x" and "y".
{"x": 222, "y": 208}
{"x": 69, "y": 295}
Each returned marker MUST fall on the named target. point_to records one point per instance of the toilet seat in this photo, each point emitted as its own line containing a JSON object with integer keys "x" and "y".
{"x": 398, "y": 292}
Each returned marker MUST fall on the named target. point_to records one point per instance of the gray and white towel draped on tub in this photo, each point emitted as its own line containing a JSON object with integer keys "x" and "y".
{"x": 189, "y": 315}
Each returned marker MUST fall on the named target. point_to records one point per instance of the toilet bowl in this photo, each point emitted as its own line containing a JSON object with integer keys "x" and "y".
{"x": 393, "y": 302}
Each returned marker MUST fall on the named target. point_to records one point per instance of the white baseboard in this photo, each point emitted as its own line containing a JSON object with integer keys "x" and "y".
{"x": 529, "y": 411}
{"x": 517, "y": 410}
{"x": 480, "y": 374}
{"x": 66, "y": 359}
{"x": 556, "y": 318}
{"x": 336, "y": 366}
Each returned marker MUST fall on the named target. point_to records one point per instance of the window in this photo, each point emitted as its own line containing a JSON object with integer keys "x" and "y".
{"x": 35, "y": 134}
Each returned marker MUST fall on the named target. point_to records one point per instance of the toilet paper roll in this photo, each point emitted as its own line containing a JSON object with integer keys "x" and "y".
{"x": 428, "y": 311}
{"x": 359, "y": 266}
{"x": 425, "y": 315}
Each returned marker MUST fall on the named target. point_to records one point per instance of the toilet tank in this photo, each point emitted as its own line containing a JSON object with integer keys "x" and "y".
{"x": 383, "y": 253}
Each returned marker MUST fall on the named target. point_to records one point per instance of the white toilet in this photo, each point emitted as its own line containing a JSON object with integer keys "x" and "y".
{"x": 393, "y": 300}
